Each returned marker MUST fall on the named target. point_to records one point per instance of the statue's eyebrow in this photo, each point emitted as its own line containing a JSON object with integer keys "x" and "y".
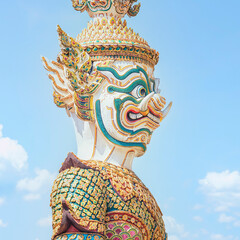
{"x": 127, "y": 74}
{"x": 129, "y": 88}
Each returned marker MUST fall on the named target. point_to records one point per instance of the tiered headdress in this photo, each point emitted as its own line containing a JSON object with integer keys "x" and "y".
{"x": 106, "y": 37}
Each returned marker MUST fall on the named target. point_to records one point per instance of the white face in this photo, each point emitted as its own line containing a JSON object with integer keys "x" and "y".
{"x": 127, "y": 107}
{"x": 121, "y": 98}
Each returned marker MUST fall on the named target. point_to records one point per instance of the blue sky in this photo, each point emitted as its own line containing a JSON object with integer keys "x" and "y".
{"x": 192, "y": 164}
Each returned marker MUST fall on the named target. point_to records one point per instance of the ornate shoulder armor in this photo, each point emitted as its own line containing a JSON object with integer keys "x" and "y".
{"x": 78, "y": 199}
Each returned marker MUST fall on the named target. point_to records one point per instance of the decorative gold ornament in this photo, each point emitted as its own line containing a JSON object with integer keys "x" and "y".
{"x": 111, "y": 39}
{"x": 116, "y": 8}
{"x": 105, "y": 77}
{"x": 90, "y": 191}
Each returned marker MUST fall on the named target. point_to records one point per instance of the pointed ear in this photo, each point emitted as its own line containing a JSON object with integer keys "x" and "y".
{"x": 73, "y": 77}
{"x": 74, "y": 58}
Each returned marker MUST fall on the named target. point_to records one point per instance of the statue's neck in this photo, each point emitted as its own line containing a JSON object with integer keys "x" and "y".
{"x": 92, "y": 145}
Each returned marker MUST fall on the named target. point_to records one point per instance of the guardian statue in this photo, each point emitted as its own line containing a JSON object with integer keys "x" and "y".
{"x": 105, "y": 81}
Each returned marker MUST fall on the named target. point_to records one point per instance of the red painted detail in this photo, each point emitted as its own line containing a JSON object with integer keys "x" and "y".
{"x": 158, "y": 116}
{"x": 136, "y": 112}
{"x": 72, "y": 229}
{"x": 133, "y": 111}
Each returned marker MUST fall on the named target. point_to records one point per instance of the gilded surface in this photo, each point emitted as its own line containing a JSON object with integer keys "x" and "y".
{"x": 105, "y": 80}
{"x": 79, "y": 236}
{"x": 108, "y": 200}
{"x": 115, "y": 7}
{"x": 111, "y": 39}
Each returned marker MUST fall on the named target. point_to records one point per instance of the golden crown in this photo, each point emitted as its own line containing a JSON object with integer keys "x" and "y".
{"x": 107, "y": 37}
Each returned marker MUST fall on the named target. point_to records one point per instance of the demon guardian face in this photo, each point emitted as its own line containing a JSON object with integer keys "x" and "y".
{"x": 105, "y": 80}
{"x": 128, "y": 107}
{"x": 120, "y": 98}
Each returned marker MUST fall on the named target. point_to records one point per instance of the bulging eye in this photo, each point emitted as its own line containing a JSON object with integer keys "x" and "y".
{"x": 139, "y": 92}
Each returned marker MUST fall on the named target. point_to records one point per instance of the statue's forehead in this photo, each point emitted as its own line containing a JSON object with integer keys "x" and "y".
{"x": 123, "y": 73}
{"x": 123, "y": 66}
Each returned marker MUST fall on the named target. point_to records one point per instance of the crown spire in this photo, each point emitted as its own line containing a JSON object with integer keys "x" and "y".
{"x": 107, "y": 8}
{"x": 107, "y": 36}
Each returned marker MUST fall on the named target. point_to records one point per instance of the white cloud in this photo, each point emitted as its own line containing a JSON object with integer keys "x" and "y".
{"x": 198, "y": 219}
{"x": 198, "y": 207}
{"x": 32, "y": 196}
{"x": 176, "y": 231}
{"x": 1, "y": 128}
{"x": 217, "y": 236}
{"x": 221, "y": 237}
{"x": 223, "y": 218}
{"x": 37, "y": 185}
{"x": 45, "y": 222}
{"x": 2, "y": 224}
{"x": 2, "y": 200}
{"x": 11, "y": 152}
{"x": 204, "y": 231}
{"x": 236, "y": 224}
{"x": 220, "y": 181}
{"x": 222, "y": 189}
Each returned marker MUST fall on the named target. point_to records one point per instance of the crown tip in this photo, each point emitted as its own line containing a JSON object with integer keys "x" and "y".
{"x": 107, "y": 8}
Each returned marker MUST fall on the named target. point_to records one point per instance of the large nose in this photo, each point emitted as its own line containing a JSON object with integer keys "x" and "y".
{"x": 155, "y": 103}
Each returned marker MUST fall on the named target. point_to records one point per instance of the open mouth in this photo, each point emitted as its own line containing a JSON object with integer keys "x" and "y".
{"x": 133, "y": 116}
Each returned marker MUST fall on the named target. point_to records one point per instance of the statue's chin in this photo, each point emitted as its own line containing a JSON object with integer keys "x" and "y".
{"x": 140, "y": 153}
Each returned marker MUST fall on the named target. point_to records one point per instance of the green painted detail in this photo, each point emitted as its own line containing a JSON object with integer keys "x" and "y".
{"x": 96, "y": 9}
{"x": 128, "y": 73}
{"x": 118, "y": 103}
{"x": 108, "y": 136}
{"x": 81, "y": 6}
{"x": 130, "y": 88}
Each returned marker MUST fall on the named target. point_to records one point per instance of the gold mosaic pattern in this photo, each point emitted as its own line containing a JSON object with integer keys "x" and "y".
{"x": 125, "y": 222}
{"x": 94, "y": 194}
{"x": 79, "y": 236}
{"x": 85, "y": 192}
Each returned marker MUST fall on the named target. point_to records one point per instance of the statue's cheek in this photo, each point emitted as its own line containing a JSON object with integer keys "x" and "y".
{"x": 109, "y": 113}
